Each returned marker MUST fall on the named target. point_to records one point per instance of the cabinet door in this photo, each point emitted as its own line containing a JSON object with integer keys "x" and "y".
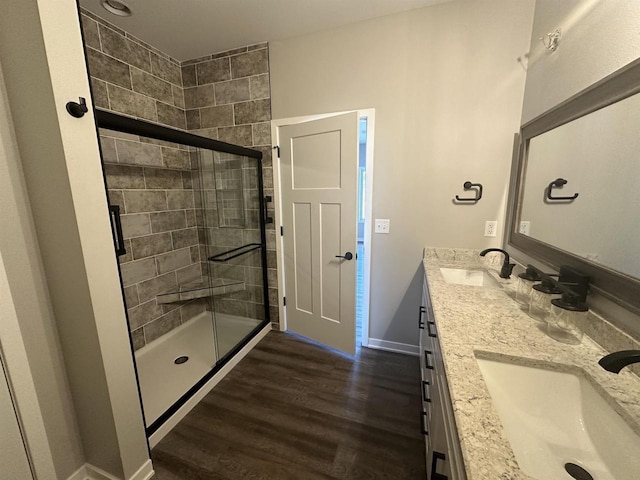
{"x": 438, "y": 450}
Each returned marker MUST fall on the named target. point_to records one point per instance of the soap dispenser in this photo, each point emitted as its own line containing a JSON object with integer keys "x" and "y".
{"x": 569, "y": 312}
{"x": 526, "y": 282}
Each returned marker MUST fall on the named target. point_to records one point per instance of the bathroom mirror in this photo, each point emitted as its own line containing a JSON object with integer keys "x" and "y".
{"x": 575, "y": 188}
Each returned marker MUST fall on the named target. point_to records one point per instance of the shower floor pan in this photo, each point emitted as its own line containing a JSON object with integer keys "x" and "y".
{"x": 163, "y": 372}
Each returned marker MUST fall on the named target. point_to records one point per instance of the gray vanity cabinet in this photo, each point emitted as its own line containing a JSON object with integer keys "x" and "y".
{"x": 443, "y": 455}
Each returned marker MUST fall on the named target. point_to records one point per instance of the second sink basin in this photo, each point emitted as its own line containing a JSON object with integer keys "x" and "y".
{"x": 461, "y": 276}
{"x": 557, "y": 421}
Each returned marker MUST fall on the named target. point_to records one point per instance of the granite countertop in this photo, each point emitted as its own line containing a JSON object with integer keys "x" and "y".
{"x": 482, "y": 322}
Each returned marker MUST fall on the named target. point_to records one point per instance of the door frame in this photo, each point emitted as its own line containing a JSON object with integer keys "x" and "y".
{"x": 369, "y": 114}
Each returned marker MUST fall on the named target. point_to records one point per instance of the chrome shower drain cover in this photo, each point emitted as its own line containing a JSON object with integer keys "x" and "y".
{"x": 181, "y": 359}
{"x": 577, "y": 472}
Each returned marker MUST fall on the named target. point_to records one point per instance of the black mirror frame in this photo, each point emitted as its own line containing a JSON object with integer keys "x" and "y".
{"x": 621, "y": 288}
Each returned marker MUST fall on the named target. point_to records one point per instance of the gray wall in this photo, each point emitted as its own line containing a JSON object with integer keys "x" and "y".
{"x": 447, "y": 89}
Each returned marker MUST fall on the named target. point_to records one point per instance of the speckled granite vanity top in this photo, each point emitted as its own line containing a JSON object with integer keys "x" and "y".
{"x": 475, "y": 322}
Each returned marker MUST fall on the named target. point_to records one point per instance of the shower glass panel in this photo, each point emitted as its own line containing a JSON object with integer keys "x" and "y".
{"x": 190, "y": 240}
{"x": 232, "y": 214}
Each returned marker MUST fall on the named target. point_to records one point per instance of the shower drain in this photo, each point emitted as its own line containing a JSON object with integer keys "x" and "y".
{"x": 182, "y": 359}
{"x": 577, "y": 472}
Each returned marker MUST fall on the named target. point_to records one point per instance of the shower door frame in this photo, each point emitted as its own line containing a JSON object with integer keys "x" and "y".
{"x": 113, "y": 121}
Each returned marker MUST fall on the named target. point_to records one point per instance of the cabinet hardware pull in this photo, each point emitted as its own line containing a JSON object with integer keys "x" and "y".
{"x": 420, "y": 313}
{"x": 434, "y": 464}
{"x": 425, "y": 397}
{"x": 423, "y": 423}
{"x": 429, "y": 332}
{"x": 426, "y": 359}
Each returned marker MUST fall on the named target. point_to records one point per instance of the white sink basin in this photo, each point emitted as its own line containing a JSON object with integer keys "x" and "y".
{"x": 460, "y": 276}
{"x": 554, "y": 418}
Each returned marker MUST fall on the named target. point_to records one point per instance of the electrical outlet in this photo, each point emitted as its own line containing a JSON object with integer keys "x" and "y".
{"x": 381, "y": 225}
{"x": 524, "y": 228}
{"x": 490, "y": 228}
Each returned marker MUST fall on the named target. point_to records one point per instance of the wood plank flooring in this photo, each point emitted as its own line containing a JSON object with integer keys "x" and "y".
{"x": 295, "y": 410}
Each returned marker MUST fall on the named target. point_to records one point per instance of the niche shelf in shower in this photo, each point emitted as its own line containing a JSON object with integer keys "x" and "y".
{"x": 200, "y": 289}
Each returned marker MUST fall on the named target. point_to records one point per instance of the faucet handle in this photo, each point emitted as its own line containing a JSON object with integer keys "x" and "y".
{"x": 507, "y": 269}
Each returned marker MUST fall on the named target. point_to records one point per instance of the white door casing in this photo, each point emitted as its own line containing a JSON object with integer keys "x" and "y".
{"x": 318, "y": 175}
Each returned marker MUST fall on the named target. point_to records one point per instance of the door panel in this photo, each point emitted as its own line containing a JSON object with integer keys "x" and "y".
{"x": 318, "y": 169}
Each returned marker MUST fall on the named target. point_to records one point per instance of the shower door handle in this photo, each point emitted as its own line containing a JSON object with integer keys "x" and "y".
{"x": 346, "y": 256}
{"x": 116, "y": 227}
{"x": 267, "y": 218}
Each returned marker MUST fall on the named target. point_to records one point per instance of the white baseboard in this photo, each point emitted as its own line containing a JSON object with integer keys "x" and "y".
{"x": 89, "y": 472}
{"x": 206, "y": 388}
{"x": 405, "y": 348}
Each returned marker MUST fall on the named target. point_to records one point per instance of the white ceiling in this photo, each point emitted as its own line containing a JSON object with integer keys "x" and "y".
{"x": 187, "y": 29}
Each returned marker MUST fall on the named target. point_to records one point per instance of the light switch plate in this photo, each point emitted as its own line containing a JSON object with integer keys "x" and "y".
{"x": 381, "y": 225}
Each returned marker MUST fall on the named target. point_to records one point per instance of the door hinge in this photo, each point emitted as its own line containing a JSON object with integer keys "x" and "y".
{"x": 277, "y": 149}
{"x": 281, "y": 231}
{"x": 284, "y": 301}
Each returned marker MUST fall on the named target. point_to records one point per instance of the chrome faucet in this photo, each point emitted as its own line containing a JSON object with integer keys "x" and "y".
{"x": 616, "y": 361}
{"x": 507, "y": 267}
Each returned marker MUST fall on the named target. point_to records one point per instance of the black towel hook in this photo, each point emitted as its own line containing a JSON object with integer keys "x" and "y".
{"x": 468, "y": 186}
{"x": 557, "y": 183}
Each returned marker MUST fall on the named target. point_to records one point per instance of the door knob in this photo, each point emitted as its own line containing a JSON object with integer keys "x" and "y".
{"x": 346, "y": 256}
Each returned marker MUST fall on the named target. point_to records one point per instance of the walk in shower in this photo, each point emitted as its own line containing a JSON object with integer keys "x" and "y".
{"x": 189, "y": 219}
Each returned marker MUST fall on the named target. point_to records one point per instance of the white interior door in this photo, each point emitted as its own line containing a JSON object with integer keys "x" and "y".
{"x": 318, "y": 171}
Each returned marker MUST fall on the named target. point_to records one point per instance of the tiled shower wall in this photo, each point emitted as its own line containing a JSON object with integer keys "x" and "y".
{"x": 153, "y": 182}
{"x": 227, "y": 98}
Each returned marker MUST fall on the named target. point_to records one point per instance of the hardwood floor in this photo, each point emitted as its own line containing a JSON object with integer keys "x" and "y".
{"x": 293, "y": 409}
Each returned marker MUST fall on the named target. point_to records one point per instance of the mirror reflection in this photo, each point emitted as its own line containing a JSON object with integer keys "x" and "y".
{"x": 598, "y": 157}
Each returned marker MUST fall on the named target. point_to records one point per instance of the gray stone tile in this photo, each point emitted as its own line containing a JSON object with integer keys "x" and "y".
{"x": 166, "y": 69}
{"x": 216, "y": 116}
{"x": 171, "y": 261}
{"x": 167, "y": 221}
{"x": 131, "y": 296}
{"x": 117, "y": 198}
{"x": 108, "y": 149}
{"x": 193, "y": 308}
{"x": 90, "y": 32}
{"x": 108, "y": 69}
{"x": 240, "y": 135}
{"x": 148, "y": 289}
{"x": 114, "y": 134}
{"x": 184, "y": 238}
{"x": 231, "y": 272}
{"x": 137, "y": 153}
{"x": 230, "y": 307}
{"x": 191, "y": 217}
{"x": 135, "y": 225}
{"x": 260, "y": 87}
{"x": 137, "y": 338}
{"x": 197, "y": 97}
{"x": 189, "y": 274}
{"x": 132, "y": 103}
{"x": 187, "y": 180}
{"x": 226, "y": 237}
{"x": 250, "y": 63}
{"x": 189, "y": 76}
{"x": 170, "y": 115}
{"x": 116, "y": 45}
{"x": 162, "y": 178}
{"x": 196, "y": 60}
{"x": 175, "y": 158}
{"x": 147, "y": 84}
{"x": 127, "y": 257}
{"x": 151, "y": 245}
{"x": 137, "y": 201}
{"x": 136, "y": 272}
{"x": 252, "y": 112}
{"x": 261, "y": 133}
{"x": 195, "y": 255}
{"x": 144, "y": 313}
{"x": 99, "y": 93}
{"x": 228, "y": 53}
{"x": 213, "y": 71}
{"x": 232, "y": 91}
{"x": 178, "y": 96}
{"x": 193, "y": 119}
{"x": 257, "y": 46}
{"x": 207, "y": 133}
{"x": 180, "y": 199}
{"x": 161, "y": 326}
{"x": 123, "y": 176}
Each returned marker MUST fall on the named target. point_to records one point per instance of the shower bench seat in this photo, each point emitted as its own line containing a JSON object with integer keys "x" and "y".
{"x": 200, "y": 289}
